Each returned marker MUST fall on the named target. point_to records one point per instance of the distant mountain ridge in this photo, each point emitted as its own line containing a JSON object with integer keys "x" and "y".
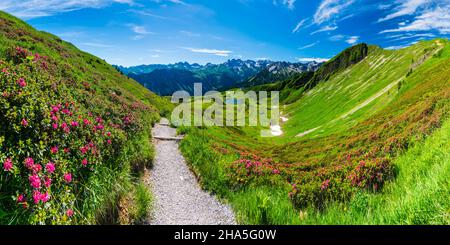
{"x": 166, "y": 79}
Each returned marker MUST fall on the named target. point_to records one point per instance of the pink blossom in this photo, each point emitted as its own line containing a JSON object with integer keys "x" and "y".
{"x": 24, "y": 122}
{"x": 54, "y": 118}
{"x": 69, "y": 212}
{"x": 83, "y": 150}
{"x": 7, "y": 165}
{"x": 50, "y": 167}
{"x": 65, "y": 111}
{"x": 54, "y": 150}
{"x": 276, "y": 171}
{"x": 45, "y": 197}
{"x": 74, "y": 124}
{"x": 84, "y": 162}
{"x": 21, "y": 82}
{"x": 55, "y": 109}
{"x": 35, "y": 181}
{"x": 47, "y": 182}
{"x": 36, "y": 197}
{"x": 86, "y": 122}
{"x": 29, "y": 162}
{"x": 68, "y": 177}
{"x": 66, "y": 150}
{"x": 20, "y": 198}
{"x": 108, "y": 134}
{"x": 109, "y": 141}
{"x": 325, "y": 184}
{"x": 55, "y": 126}
{"x": 36, "y": 168}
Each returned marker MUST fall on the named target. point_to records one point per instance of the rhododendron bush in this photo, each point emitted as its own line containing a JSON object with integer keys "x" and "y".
{"x": 337, "y": 181}
{"x": 55, "y": 137}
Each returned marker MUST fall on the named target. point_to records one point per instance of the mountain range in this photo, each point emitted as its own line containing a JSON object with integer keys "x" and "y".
{"x": 166, "y": 79}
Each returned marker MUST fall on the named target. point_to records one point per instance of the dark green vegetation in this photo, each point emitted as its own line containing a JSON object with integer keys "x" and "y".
{"x": 74, "y": 132}
{"x": 365, "y": 143}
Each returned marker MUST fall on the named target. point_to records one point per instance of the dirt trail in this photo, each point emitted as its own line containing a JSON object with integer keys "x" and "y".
{"x": 179, "y": 200}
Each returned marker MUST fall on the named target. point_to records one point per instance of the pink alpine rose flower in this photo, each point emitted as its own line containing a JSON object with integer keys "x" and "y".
{"x": 35, "y": 181}
{"x": 24, "y": 122}
{"x": 54, "y": 150}
{"x": 50, "y": 167}
{"x": 36, "y": 168}
{"x": 84, "y": 162}
{"x": 36, "y": 197}
{"x": 20, "y": 198}
{"x": 47, "y": 182}
{"x": 69, "y": 212}
{"x": 68, "y": 177}
{"x": 29, "y": 162}
{"x": 55, "y": 126}
{"x": 21, "y": 82}
{"x": 7, "y": 165}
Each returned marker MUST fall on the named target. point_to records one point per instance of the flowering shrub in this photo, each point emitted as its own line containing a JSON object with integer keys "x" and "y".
{"x": 52, "y": 140}
{"x": 311, "y": 185}
{"x": 256, "y": 171}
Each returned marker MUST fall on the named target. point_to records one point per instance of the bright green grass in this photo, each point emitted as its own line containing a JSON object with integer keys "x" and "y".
{"x": 324, "y": 105}
{"x": 419, "y": 194}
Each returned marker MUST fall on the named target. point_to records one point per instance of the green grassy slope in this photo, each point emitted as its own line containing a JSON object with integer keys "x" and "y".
{"x": 328, "y": 107}
{"x": 74, "y": 132}
{"x": 347, "y": 154}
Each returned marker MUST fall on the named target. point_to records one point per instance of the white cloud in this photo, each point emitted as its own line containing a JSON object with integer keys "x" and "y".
{"x": 311, "y": 59}
{"x": 170, "y": 1}
{"x": 352, "y": 39}
{"x": 29, "y": 9}
{"x": 290, "y": 4}
{"x": 324, "y": 29}
{"x": 330, "y": 8}
{"x": 308, "y": 46}
{"x": 400, "y": 46}
{"x": 299, "y": 25}
{"x": 222, "y": 53}
{"x": 338, "y": 37}
{"x": 406, "y": 7}
{"x": 437, "y": 19}
{"x": 141, "y": 30}
{"x": 190, "y": 34}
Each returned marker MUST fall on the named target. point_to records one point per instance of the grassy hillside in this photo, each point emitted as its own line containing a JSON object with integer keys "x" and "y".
{"x": 73, "y": 131}
{"x": 343, "y": 138}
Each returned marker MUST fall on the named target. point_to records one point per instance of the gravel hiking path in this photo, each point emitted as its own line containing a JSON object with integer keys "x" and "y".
{"x": 179, "y": 200}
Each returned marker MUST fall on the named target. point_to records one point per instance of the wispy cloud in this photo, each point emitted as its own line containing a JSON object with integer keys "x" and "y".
{"x": 324, "y": 29}
{"x": 400, "y": 46}
{"x": 437, "y": 19}
{"x": 148, "y": 13}
{"x": 337, "y": 37}
{"x": 352, "y": 39}
{"x": 141, "y": 30}
{"x": 222, "y": 53}
{"x": 190, "y": 34}
{"x": 405, "y": 7}
{"x": 299, "y": 25}
{"x": 329, "y": 9}
{"x": 311, "y": 59}
{"x": 29, "y": 9}
{"x": 308, "y": 46}
{"x": 170, "y": 1}
{"x": 290, "y": 4}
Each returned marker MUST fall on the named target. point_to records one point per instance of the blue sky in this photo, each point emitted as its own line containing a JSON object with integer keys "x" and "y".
{"x": 132, "y": 32}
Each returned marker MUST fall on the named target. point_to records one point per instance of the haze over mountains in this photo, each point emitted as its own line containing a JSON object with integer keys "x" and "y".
{"x": 166, "y": 79}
